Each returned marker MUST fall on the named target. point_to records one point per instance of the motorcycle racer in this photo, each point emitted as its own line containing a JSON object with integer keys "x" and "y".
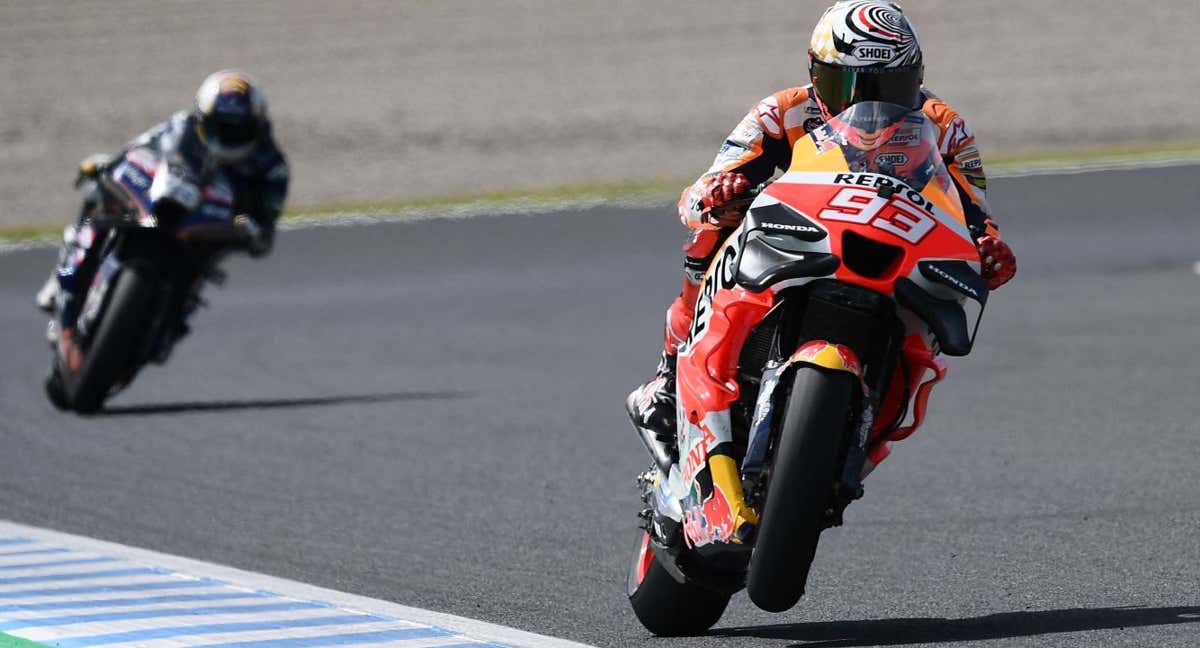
{"x": 228, "y": 132}
{"x": 861, "y": 50}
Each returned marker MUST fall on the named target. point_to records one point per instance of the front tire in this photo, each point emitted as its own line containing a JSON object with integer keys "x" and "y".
{"x": 813, "y": 434}
{"x": 665, "y": 606}
{"x": 56, "y": 391}
{"x": 116, "y": 340}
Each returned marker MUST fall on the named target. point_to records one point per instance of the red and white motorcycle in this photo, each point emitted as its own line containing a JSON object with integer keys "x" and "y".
{"x": 817, "y": 332}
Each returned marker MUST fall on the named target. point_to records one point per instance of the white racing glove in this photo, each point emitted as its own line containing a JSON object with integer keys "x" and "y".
{"x": 256, "y": 241}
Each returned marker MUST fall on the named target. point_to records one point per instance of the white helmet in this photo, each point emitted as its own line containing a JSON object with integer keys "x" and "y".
{"x": 231, "y": 115}
{"x": 865, "y": 50}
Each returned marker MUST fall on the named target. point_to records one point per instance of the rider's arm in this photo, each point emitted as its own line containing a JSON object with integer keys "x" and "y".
{"x": 756, "y": 148}
{"x": 271, "y": 193}
{"x": 957, "y": 144}
{"x": 961, "y": 154}
{"x": 96, "y": 164}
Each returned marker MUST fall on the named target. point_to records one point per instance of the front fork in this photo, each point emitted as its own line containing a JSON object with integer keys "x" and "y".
{"x": 826, "y": 356}
{"x": 674, "y": 518}
{"x": 878, "y": 423}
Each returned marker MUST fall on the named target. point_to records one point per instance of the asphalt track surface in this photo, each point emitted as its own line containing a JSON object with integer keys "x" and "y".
{"x": 430, "y": 413}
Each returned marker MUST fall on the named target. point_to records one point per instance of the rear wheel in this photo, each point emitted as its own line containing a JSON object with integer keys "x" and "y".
{"x": 116, "y": 340}
{"x": 665, "y": 606}
{"x": 803, "y": 471}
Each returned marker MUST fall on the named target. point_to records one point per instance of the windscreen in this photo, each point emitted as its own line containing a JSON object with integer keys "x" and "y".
{"x": 887, "y": 139}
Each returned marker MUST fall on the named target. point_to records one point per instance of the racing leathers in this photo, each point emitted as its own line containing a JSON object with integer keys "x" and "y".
{"x": 759, "y": 147}
{"x": 182, "y": 167}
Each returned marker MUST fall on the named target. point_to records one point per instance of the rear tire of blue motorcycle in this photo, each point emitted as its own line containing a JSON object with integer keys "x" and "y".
{"x": 804, "y": 468}
{"x": 665, "y": 606}
{"x": 116, "y": 340}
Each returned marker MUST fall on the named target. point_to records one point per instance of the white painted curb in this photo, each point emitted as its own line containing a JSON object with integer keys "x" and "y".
{"x": 292, "y": 589}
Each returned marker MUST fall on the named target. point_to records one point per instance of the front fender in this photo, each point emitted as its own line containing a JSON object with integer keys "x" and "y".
{"x": 816, "y": 353}
{"x": 828, "y": 355}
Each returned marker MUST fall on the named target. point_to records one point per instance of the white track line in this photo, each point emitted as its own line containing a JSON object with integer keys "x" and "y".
{"x": 180, "y": 568}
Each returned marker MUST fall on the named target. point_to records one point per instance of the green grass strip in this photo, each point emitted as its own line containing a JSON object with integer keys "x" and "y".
{"x": 29, "y": 233}
{"x": 1095, "y": 155}
{"x": 659, "y": 188}
{"x": 9, "y": 641}
{"x": 668, "y": 188}
{"x": 579, "y": 192}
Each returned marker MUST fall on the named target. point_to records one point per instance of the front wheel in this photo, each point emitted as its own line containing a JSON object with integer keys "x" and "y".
{"x": 117, "y": 339}
{"x": 803, "y": 471}
{"x": 665, "y": 606}
{"x": 56, "y": 391}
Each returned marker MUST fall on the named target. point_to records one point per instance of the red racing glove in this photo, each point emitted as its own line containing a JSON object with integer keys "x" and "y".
{"x": 997, "y": 261}
{"x": 713, "y": 196}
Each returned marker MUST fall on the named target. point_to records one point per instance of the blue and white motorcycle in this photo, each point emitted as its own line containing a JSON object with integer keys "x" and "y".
{"x": 145, "y": 278}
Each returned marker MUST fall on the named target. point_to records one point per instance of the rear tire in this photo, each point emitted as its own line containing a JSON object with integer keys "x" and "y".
{"x": 804, "y": 469}
{"x": 116, "y": 340}
{"x": 665, "y": 606}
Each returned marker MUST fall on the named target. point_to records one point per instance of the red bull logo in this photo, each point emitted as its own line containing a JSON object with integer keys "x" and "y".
{"x": 712, "y": 522}
{"x": 830, "y": 356}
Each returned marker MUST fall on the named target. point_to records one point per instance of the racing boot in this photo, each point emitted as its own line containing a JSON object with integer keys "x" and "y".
{"x": 651, "y": 409}
{"x": 53, "y": 332}
{"x": 47, "y": 295}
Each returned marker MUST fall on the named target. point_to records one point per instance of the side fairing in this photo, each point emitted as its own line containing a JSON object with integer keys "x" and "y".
{"x": 867, "y": 214}
{"x": 782, "y": 247}
{"x": 714, "y": 506}
{"x": 145, "y": 178}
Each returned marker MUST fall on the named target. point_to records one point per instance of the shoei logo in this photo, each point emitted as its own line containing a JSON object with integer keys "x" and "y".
{"x": 874, "y": 54}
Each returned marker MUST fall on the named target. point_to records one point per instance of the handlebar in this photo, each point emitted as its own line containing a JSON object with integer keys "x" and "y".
{"x": 731, "y": 213}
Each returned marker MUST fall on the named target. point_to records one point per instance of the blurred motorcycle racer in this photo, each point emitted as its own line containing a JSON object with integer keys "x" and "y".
{"x": 861, "y": 50}
{"x": 227, "y": 131}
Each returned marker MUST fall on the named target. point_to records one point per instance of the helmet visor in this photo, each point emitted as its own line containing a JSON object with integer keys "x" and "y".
{"x": 231, "y": 133}
{"x": 840, "y": 87}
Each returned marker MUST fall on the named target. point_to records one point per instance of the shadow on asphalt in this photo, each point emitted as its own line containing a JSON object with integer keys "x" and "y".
{"x": 276, "y": 403}
{"x": 899, "y": 632}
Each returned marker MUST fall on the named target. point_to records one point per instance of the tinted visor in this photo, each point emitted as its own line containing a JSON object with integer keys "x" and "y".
{"x": 840, "y": 87}
{"x": 229, "y": 133}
